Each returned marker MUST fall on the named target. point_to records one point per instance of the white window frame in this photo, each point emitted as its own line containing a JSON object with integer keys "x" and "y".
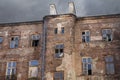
{"x": 105, "y": 33}
{"x": 110, "y": 67}
{"x": 11, "y": 67}
{"x": 86, "y": 35}
{"x": 86, "y": 64}
{"x": 14, "y": 42}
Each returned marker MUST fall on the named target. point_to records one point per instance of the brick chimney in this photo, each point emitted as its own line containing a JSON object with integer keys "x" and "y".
{"x": 53, "y": 10}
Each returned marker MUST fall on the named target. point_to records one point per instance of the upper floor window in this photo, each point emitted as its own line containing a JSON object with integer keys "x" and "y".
{"x": 14, "y": 42}
{"x": 109, "y": 64}
{"x": 33, "y": 69}
{"x": 59, "y": 51}
{"x": 1, "y": 40}
{"x": 62, "y": 30}
{"x": 59, "y": 30}
{"x": 87, "y": 66}
{"x": 86, "y": 36}
{"x": 59, "y": 75}
{"x": 11, "y": 71}
{"x": 35, "y": 40}
{"x": 107, "y": 34}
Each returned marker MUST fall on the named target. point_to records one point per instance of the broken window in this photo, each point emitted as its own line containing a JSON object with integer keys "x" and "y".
{"x": 14, "y": 42}
{"x": 109, "y": 64}
{"x": 35, "y": 40}
{"x": 86, "y": 36}
{"x": 59, "y": 51}
{"x": 107, "y": 34}
{"x": 11, "y": 71}
{"x": 1, "y": 40}
{"x": 33, "y": 69}
{"x": 87, "y": 66}
{"x": 59, "y": 75}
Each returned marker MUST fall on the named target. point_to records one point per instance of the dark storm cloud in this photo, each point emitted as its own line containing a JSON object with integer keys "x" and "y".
{"x": 30, "y": 10}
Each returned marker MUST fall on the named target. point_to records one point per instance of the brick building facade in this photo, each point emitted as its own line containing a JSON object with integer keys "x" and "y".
{"x": 61, "y": 47}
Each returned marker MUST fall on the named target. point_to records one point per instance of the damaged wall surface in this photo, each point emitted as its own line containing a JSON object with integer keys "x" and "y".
{"x": 84, "y": 48}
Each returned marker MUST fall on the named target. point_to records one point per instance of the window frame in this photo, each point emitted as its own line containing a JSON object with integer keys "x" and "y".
{"x": 84, "y": 70}
{"x": 31, "y": 40}
{"x": 86, "y": 35}
{"x": 108, "y": 68}
{"x": 111, "y": 34}
{"x": 32, "y": 66}
{"x": 59, "y": 50}
{"x": 11, "y": 67}
{"x": 59, "y": 74}
{"x": 14, "y": 41}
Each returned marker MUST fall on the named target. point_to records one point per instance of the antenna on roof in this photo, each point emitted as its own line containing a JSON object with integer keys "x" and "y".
{"x": 53, "y": 10}
{"x": 72, "y": 8}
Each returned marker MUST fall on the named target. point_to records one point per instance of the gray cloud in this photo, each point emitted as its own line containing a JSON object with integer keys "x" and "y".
{"x": 30, "y": 10}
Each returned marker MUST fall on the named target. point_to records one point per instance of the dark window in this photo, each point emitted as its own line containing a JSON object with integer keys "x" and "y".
{"x": 58, "y": 76}
{"x": 56, "y": 30}
{"x": 62, "y": 30}
{"x": 86, "y": 36}
{"x": 107, "y": 34}
{"x": 14, "y": 42}
{"x": 35, "y": 40}
{"x": 59, "y": 51}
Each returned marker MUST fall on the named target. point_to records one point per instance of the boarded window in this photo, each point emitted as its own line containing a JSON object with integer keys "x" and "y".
{"x": 33, "y": 68}
{"x": 11, "y": 71}
{"x": 59, "y": 51}
{"x": 109, "y": 64}
{"x": 14, "y": 42}
{"x": 35, "y": 40}
{"x": 87, "y": 66}
{"x": 86, "y": 36}
{"x": 58, "y": 76}
{"x": 107, "y": 34}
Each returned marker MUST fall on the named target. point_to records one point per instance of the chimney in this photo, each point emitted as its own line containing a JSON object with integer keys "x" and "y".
{"x": 53, "y": 9}
{"x": 72, "y": 8}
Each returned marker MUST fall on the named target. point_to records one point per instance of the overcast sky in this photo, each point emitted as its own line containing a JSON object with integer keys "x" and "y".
{"x": 32, "y": 10}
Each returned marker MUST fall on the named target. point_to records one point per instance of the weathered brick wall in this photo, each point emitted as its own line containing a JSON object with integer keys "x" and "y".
{"x": 74, "y": 48}
{"x": 25, "y": 52}
{"x": 97, "y": 49}
{"x": 65, "y": 63}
